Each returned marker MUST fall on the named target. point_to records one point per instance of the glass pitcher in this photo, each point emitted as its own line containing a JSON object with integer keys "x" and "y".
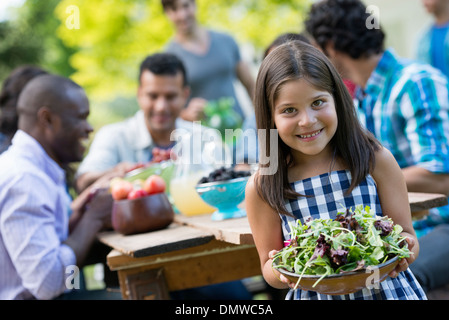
{"x": 191, "y": 164}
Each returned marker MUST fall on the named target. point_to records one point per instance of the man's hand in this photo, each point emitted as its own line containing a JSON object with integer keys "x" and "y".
{"x": 95, "y": 218}
{"x": 100, "y": 208}
{"x": 89, "y": 178}
{"x": 194, "y": 110}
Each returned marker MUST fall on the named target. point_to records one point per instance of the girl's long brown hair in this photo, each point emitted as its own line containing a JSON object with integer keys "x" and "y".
{"x": 298, "y": 60}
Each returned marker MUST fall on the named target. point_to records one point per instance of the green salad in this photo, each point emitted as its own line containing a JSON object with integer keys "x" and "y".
{"x": 352, "y": 241}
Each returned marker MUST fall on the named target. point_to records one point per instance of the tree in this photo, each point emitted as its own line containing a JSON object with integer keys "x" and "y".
{"x": 29, "y": 37}
{"x": 16, "y": 48}
{"x": 114, "y": 36}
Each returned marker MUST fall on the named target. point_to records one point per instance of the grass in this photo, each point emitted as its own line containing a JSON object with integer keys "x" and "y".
{"x": 93, "y": 277}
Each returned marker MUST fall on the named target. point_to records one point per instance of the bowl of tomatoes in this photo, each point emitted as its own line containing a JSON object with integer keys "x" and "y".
{"x": 140, "y": 207}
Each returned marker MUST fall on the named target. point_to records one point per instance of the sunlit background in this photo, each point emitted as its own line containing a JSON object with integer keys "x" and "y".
{"x": 100, "y": 43}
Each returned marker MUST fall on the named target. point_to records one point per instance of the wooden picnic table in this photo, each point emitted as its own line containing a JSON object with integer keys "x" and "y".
{"x": 196, "y": 251}
{"x": 420, "y": 203}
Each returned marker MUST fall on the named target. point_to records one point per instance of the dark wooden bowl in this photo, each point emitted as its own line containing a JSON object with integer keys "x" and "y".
{"x": 144, "y": 214}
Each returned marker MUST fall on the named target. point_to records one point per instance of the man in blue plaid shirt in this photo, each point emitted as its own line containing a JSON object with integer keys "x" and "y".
{"x": 406, "y": 105}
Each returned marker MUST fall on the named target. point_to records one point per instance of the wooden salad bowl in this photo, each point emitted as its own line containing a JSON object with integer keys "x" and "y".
{"x": 144, "y": 214}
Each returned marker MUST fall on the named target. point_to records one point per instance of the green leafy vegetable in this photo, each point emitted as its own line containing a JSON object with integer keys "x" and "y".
{"x": 352, "y": 241}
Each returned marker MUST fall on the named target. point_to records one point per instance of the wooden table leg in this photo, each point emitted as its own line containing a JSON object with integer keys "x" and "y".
{"x": 210, "y": 264}
{"x": 147, "y": 285}
{"x": 417, "y": 215}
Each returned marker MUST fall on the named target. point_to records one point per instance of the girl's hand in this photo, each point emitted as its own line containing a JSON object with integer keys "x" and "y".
{"x": 272, "y": 253}
{"x": 404, "y": 262}
{"x": 281, "y": 277}
{"x": 290, "y": 284}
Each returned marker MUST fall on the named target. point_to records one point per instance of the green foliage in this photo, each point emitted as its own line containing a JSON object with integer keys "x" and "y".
{"x": 112, "y": 110}
{"x": 16, "y": 48}
{"x": 30, "y": 38}
{"x": 112, "y": 40}
{"x": 354, "y": 240}
{"x": 115, "y": 36}
{"x": 255, "y": 21}
{"x": 103, "y": 55}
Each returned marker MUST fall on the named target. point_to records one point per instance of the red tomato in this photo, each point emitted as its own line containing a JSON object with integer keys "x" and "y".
{"x": 121, "y": 189}
{"x": 154, "y": 184}
{"x": 137, "y": 193}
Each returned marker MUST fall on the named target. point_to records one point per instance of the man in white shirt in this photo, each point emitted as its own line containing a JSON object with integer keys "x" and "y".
{"x": 40, "y": 249}
{"x": 117, "y": 147}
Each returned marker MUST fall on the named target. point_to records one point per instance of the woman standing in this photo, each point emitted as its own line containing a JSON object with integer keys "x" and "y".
{"x": 212, "y": 60}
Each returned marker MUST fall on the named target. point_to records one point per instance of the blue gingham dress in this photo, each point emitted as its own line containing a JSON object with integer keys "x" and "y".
{"x": 327, "y": 191}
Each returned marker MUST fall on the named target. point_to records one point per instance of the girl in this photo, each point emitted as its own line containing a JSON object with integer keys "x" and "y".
{"x": 323, "y": 153}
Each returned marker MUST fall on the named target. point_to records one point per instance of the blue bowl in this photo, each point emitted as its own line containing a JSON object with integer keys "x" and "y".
{"x": 225, "y": 196}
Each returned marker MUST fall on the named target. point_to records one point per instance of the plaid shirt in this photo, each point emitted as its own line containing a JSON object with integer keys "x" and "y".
{"x": 406, "y": 106}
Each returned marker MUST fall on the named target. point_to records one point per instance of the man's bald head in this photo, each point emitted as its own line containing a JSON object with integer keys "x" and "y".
{"x": 51, "y": 91}
{"x": 54, "y": 111}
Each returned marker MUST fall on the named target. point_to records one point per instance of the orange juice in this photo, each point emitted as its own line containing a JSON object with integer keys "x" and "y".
{"x": 185, "y": 197}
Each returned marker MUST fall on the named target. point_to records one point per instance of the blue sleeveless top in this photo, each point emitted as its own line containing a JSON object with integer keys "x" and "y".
{"x": 326, "y": 198}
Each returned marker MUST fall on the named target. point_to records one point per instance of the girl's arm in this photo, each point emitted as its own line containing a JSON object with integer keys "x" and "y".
{"x": 393, "y": 196}
{"x": 267, "y": 232}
